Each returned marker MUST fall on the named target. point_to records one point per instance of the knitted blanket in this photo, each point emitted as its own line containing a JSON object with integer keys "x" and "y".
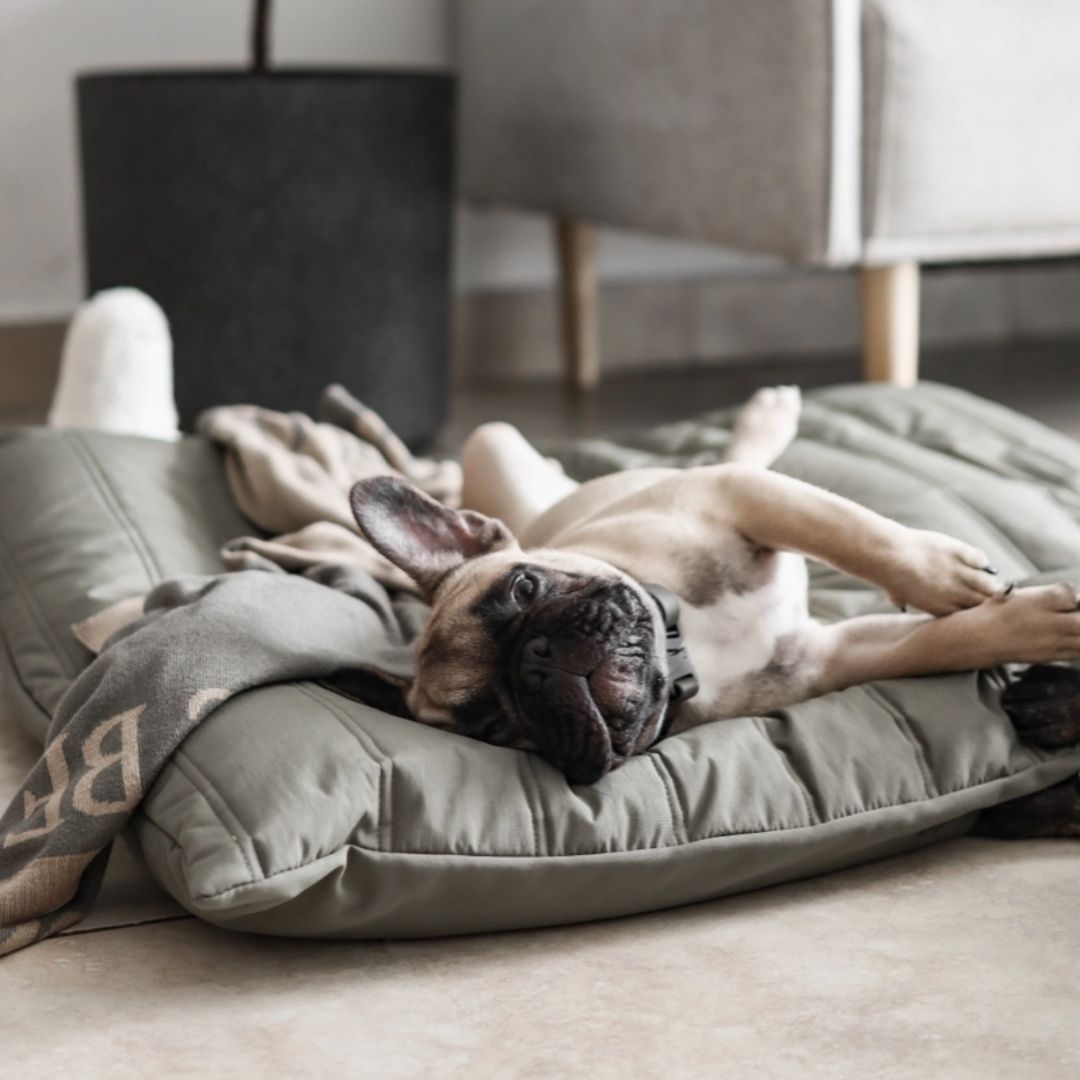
{"x": 291, "y": 475}
{"x": 200, "y": 641}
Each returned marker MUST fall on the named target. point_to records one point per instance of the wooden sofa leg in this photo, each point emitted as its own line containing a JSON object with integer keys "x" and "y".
{"x": 890, "y": 323}
{"x": 578, "y": 302}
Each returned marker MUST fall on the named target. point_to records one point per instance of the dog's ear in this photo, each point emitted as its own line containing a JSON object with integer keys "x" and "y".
{"x": 421, "y": 536}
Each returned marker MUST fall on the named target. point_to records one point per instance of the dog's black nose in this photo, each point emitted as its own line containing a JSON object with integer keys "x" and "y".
{"x": 580, "y": 674}
{"x": 534, "y": 663}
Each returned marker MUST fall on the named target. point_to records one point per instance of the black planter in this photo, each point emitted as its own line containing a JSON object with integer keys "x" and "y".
{"x": 295, "y": 227}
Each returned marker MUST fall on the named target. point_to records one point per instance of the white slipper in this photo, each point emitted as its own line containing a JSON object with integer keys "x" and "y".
{"x": 116, "y": 369}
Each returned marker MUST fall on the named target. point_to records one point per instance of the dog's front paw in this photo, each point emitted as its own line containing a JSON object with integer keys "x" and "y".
{"x": 937, "y": 574}
{"x": 1044, "y": 706}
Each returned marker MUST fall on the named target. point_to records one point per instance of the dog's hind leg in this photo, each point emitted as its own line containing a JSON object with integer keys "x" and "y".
{"x": 506, "y": 477}
{"x": 1044, "y": 706}
{"x": 765, "y": 426}
{"x": 1053, "y": 812}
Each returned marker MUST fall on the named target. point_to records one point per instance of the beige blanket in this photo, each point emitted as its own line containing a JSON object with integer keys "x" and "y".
{"x": 291, "y": 476}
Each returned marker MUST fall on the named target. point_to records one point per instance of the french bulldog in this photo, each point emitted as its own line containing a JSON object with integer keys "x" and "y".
{"x": 546, "y": 632}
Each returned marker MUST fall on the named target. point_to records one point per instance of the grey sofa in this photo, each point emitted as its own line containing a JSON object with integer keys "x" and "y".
{"x": 876, "y": 133}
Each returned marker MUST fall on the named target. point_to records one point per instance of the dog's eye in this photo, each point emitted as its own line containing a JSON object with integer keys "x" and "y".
{"x": 523, "y": 589}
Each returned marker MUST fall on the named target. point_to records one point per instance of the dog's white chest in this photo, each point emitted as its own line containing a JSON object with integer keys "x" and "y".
{"x": 741, "y": 639}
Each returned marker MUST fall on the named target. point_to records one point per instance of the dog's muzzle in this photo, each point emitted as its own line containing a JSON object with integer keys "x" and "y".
{"x": 585, "y": 680}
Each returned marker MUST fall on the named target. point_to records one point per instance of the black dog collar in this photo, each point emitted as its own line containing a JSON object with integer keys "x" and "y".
{"x": 683, "y": 683}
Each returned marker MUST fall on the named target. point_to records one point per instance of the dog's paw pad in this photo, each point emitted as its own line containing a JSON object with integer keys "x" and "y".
{"x": 780, "y": 402}
{"x": 766, "y": 424}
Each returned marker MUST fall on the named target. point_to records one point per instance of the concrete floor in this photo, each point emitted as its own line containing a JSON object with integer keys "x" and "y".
{"x": 958, "y": 961}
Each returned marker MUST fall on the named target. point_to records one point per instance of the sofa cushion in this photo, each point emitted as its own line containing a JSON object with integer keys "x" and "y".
{"x": 294, "y": 810}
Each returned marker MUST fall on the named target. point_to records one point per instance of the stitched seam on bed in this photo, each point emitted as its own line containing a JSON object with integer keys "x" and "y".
{"x": 200, "y": 779}
{"x": 142, "y": 815}
{"x": 359, "y": 733}
{"x": 540, "y": 845}
{"x": 1057, "y": 488}
{"x": 687, "y": 841}
{"x": 141, "y": 545}
{"x": 679, "y": 791}
{"x": 955, "y": 401}
{"x": 111, "y": 502}
{"x": 961, "y": 401}
{"x": 678, "y": 796}
{"x": 678, "y": 824}
{"x": 813, "y": 813}
{"x": 909, "y": 471}
{"x": 914, "y": 472}
{"x": 33, "y": 608}
{"x": 631, "y": 851}
{"x": 1002, "y": 471}
{"x": 201, "y": 783}
{"x": 16, "y": 676}
{"x": 384, "y": 820}
{"x": 908, "y": 732}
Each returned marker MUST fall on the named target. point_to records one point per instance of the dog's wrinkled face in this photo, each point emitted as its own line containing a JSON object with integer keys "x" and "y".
{"x": 547, "y": 651}
{"x": 543, "y": 650}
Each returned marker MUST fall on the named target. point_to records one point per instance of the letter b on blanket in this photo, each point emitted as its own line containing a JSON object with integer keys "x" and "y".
{"x": 96, "y": 760}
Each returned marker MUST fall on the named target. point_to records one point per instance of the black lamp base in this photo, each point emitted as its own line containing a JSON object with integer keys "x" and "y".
{"x": 295, "y": 227}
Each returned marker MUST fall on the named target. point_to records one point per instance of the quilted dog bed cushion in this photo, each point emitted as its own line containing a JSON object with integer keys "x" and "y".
{"x": 293, "y": 810}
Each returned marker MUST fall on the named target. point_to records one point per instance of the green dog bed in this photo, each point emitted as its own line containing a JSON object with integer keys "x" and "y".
{"x": 294, "y": 810}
